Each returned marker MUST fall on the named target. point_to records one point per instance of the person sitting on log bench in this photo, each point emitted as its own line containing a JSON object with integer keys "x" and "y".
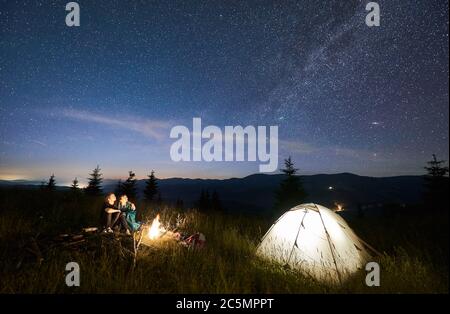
{"x": 112, "y": 215}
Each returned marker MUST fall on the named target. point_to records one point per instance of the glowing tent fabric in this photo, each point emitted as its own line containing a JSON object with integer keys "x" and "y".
{"x": 315, "y": 240}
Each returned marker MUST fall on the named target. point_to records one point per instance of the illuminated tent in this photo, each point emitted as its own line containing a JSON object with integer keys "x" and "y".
{"x": 315, "y": 240}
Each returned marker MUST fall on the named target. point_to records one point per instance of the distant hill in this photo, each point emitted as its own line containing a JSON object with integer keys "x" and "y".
{"x": 27, "y": 184}
{"x": 18, "y": 182}
{"x": 255, "y": 193}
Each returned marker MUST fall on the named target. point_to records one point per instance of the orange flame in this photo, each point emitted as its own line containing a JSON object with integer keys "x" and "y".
{"x": 155, "y": 229}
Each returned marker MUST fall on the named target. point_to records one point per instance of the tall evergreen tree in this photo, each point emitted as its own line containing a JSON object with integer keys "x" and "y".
{"x": 95, "y": 182}
{"x": 216, "y": 204}
{"x": 436, "y": 184}
{"x": 204, "y": 202}
{"x": 129, "y": 186}
{"x": 290, "y": 192}
{"x": 200, "y": 203}
{"x": 207, "y": 204}
{"x": 179, "y": 204}
{"x": 435, "y": 169}
{"x": 151, "y": 187}
{"x": 51, "y": 184}
{"x": 75, "y": 187}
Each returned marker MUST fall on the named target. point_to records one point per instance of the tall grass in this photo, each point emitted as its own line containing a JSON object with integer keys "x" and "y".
{"x": 227, "y": 264}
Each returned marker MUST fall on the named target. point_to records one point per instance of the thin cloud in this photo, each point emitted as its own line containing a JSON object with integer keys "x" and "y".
{"x": 296, "y": 147}
{"x": 293, "y": 147}
{"x": 39, "y": 143}
{"x": 155, "y": 129}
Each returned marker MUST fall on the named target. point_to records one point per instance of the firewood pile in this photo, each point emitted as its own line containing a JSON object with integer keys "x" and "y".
{"x": 150, "y": 237}
{"x": 37, "y": 249}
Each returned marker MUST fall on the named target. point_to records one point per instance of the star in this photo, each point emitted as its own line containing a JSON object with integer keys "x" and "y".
{"x": 109, "y": 91}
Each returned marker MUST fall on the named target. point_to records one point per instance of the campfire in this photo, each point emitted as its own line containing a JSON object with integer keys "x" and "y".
{"x": 157, "y": 235}
{"x": 339, "y": 207}
{"x": 155, "y": 230}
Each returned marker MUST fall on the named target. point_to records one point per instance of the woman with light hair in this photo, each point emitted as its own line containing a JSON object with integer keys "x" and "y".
{"x": 129, "y": 210}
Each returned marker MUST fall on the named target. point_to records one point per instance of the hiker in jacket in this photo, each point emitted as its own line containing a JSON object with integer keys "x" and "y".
{"x": 112, "y": 215}
{"x": 129, "y": 210}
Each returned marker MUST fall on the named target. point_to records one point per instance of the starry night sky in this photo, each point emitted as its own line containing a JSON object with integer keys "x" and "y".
{"x": 346, "y": 97}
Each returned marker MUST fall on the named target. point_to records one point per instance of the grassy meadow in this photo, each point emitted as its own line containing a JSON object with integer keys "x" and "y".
{"x": 414, "y": 245}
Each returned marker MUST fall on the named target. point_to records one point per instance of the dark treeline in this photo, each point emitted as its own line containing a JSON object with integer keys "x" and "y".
{"x": 127, "y": 187}
{"x": 209, "y": 201}
{"x": 289, "y": 193}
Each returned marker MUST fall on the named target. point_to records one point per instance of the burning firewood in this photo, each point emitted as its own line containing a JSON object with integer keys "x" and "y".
{"x": 156, "y": 235}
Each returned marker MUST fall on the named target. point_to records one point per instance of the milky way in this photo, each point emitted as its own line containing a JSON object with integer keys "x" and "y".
{"x": 346, "y": 97}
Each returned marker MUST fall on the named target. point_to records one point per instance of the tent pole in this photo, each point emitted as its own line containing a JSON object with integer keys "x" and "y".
{"x": 369, "y": 246}
{"x": 296, "y": 237}
{"x": 329, "y": 243}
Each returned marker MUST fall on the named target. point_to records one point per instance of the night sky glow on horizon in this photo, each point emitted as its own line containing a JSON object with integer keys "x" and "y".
{"x": 346, "y": 97}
